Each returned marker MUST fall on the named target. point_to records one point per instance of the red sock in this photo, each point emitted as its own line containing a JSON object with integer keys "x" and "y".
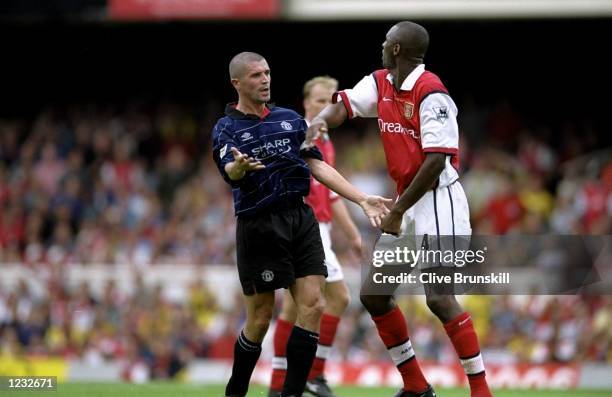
{"x": 393, "y": 331}
{"x": 329, "y": 325}
{"x": 279, "y": 362}
{"x": 461, "y": 332}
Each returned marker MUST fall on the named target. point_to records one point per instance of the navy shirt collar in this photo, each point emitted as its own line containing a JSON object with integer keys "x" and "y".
{"x": 231, "y": 111}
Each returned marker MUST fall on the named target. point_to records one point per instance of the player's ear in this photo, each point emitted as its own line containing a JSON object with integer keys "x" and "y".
{"x": 396, "y": 49}
{"x": 235, "y": 83}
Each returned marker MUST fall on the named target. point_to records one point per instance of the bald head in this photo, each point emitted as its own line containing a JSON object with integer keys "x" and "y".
{"x": 412, "y": 38}
{"x": 237, "y": 66}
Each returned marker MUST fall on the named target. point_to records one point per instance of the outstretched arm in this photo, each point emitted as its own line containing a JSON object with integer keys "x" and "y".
{"x": 373, "y": 206}
{"x": 331, "y": 116}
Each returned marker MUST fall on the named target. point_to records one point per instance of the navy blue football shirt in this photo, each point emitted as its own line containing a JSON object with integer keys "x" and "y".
{"x": 276, "y": 139}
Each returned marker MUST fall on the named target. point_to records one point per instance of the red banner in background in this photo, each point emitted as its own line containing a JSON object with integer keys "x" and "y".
{"x": 193, "y": 9}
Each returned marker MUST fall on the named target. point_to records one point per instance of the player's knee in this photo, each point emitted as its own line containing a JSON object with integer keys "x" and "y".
{"x": 375, "y": 304}
{"x": 440, "y": 304}
{"x": 343, "y": 299}
{"x": 261, "y": 319}
{"x": 338, "y": 299}
{"x": 311, "y": 308}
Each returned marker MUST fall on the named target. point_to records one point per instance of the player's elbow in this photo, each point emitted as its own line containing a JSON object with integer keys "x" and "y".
{"x": 436, "y": 162}
{"x": 337, "y": 115}
{"x": 316, "y": 167}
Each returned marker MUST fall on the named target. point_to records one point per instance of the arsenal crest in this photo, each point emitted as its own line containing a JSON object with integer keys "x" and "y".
{"x": 408, "y": 109}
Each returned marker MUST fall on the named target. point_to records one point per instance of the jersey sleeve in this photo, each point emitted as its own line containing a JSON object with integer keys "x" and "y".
{"x": 439, "y": 129}
{"x": 307, "y": 151}
{"x": 222, "y": 151}
{"x": 361, "y": 100}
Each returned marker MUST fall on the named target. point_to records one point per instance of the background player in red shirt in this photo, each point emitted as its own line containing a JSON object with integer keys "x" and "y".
{"x": 327, "y": 206}
{"x": 420, "y": 136}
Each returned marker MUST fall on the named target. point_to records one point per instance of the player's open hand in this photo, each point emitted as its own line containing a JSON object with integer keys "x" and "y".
{"x": 241, "y": 164}
{"x": 317, "y": 127}
{"x": 244, "y": 163}
{"x": 375, "y": 208}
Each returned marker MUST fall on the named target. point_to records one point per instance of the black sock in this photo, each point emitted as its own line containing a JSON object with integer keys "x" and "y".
{"x": 301, "y": 350}
{"x": 246, "y": 354}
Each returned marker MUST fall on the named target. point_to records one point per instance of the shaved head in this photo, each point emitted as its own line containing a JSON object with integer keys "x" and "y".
{"x": 237, "y": 66}
{"x": 412, "y": 38}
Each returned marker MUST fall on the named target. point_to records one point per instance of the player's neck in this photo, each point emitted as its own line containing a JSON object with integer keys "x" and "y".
{"x": 400, "y": 73}
{"x": 250, "y": 107}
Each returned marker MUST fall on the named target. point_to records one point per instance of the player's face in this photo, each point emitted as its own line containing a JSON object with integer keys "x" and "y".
{"x": 388, "y": 59}
{"x": 320, "y": 96}
{"x": 255, "y": 83}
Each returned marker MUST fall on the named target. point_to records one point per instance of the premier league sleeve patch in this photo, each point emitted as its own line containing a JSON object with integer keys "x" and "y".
{"x": 441, "y": 113}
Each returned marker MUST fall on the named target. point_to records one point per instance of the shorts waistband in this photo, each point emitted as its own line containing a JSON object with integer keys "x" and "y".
{"x": 289, "y": 204}
{"x": 280, "y": 205}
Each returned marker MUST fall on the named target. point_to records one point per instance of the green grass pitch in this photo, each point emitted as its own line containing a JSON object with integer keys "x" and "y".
{"x": 195, "y": 390}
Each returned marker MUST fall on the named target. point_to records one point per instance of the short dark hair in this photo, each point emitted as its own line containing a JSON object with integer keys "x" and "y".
{"x": 238, "y": 62}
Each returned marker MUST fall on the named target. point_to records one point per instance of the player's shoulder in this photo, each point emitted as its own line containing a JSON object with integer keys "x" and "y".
{"x": 224, "y": 124}
{"x": 379, "y": 75}
{"x": 429, "y": 80}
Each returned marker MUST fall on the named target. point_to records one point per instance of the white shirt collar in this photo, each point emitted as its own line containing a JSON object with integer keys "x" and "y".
{"x": 411, "y": 79}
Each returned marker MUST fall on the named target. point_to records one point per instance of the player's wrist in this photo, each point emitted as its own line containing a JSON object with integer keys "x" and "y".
{"x": 362, "y": 200}
{"x": 396, "y": 211}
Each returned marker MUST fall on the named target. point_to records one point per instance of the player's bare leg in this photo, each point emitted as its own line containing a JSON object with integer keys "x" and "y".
{"x": 307, "y": 294}
{"x": 259, "y": 308}
{"x": 336, "y": 300}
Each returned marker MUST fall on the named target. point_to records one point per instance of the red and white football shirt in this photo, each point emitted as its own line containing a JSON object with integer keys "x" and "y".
{"x": 419, "y": 118}
{"x": 320, "y": 197}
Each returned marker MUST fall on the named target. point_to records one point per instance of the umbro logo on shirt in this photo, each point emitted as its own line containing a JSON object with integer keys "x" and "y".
{"x": 246, "y": 136}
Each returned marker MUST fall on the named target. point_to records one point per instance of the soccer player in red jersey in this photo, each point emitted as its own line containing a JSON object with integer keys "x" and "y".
{"x": 327, "y": 206}
{"x": 420, "y": 136}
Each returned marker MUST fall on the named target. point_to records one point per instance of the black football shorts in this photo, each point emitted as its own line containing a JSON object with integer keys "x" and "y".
{"x": 278, "y": 246}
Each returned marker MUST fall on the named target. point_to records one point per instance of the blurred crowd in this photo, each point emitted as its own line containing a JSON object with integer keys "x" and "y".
{"x": 135, "y": 185}
{"x": 154, "y": 337}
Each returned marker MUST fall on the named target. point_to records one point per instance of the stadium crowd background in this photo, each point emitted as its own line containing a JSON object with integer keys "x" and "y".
{"x": 95, "y": 171}
{"x": 134, "y": 185}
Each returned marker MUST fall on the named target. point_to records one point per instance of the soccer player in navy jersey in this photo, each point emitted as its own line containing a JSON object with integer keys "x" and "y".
{"x": 261, "y": 153}
{"x": 417, "y": 120}
{"x": 327, "y": 206}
